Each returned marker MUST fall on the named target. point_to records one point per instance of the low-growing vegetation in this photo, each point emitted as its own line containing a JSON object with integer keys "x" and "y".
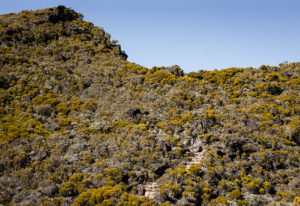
{"x": 80, "y": 125}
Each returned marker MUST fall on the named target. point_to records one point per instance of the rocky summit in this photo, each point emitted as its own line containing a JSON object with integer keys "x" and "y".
{"x": 80, "y": 125}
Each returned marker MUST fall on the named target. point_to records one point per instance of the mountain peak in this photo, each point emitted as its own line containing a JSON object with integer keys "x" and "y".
{"x": 61, "y": 13}
{"x": 46, "y": 26}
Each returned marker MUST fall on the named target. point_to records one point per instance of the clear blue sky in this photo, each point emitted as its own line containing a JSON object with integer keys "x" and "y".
{"x": 194, "y": 34}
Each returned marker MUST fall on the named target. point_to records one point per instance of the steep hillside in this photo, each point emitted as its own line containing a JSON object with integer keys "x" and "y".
{"x": 80, "y": 125}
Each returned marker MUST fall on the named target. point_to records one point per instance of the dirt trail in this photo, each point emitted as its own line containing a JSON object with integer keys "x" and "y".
{"x": 151, "y": 188}
{"x": 197, "y": 159}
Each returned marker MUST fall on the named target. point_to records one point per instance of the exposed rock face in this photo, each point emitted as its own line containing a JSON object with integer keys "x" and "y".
{"x": 140, "y": 190}
{"x": 38, "y": 156}
{"x": 165, "y": 147}
{"x": 175, "y": 70}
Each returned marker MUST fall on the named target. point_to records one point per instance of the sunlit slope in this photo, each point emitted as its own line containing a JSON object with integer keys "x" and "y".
{"x": 80, "y": 125}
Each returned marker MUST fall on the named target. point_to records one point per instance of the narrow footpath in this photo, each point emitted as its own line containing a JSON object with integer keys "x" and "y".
{"x": 151, "y": 188}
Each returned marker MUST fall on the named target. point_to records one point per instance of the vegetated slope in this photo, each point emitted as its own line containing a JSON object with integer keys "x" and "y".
{"x": 80, "y": 125}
